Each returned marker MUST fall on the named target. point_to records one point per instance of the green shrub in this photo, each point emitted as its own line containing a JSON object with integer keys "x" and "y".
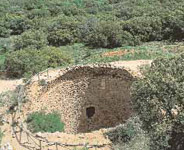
{"x": 4, "y": 28}
{"x": 17, "y": 23}
{"x": 144, "y": 28}
{"x": 106, "y": 34}
{"x": 38, "y": 13}
{"x": 63, "y": 31}
{"x": 30, "y": 39}
{"x": 173, "y": 25}
{"x": 29, "y": 61}
{"x": 5, "y": 45}
{"x": 2, "y": 60}
{"x": 129, "y": 136}
{"x": 73, "y": 11}
{"x": 34, "y": 4}
{"x": 8, "y": 98}
{"x": 11, "y": 99}
{"x": 42, "y": 82}
{"x": 42, "y": 122}
{"x": 159, "y": 100}
{"x": 125, "y": 132}
{"x": 139, "y": 142}
{"x": 145, "y": 20}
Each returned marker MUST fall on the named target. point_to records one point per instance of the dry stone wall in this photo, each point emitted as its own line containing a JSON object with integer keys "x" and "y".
{"x": 87, "y": 97}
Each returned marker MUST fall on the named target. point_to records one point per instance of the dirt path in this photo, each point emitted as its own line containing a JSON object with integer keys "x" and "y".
{"x": 7, "y": 85}
{"x": 133, "y": 65}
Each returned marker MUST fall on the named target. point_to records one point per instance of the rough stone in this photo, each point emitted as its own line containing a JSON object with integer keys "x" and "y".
{"x": 103, "y": 90}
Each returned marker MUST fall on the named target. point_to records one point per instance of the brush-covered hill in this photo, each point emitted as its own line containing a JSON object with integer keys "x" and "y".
{"x": 37, "y": 34}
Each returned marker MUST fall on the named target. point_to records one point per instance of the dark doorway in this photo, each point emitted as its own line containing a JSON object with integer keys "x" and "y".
{"x": 90, "y": 111}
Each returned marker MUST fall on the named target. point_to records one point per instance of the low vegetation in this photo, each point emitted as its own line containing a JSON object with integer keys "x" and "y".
{"x": 8, "y": 99}
{"x": 129, "y": 136}
{"x": 42, "y": 122}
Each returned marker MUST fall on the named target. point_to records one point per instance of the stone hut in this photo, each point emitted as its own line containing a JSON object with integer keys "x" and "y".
{"x": 89, "y": 97}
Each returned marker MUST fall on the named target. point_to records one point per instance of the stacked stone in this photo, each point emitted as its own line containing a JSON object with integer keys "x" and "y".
{"x": 102, "y": 86}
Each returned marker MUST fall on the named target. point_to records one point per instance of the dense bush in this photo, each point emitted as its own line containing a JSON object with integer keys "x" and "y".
{"x": 73, "y": 11}
{"x": 140, "y": 142}
{"x": 145, "y": 20}
{"x": 144, "y": 28}
{"x": 5, "y": 45}
{"x": 18, "y": 23}
{"x": 63, "y": 31}
{"x": 173, "y": 25}
{"x": 4, "y": 28}
{"x": 106, "y": 34}
{"x": 129, "y": 136}
{"x": 42, "y": 122}
{"x": 96, "y": 24}
{"x": 30, "y": 61}
{"x": 125, "y": 132}
{"x": 159, "y": 100}
{"x": 31, "y": 39}
{"x": 38, "y": 13}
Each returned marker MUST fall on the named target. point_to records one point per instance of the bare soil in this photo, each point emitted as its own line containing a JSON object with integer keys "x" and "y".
{"x": 8, "y": 85}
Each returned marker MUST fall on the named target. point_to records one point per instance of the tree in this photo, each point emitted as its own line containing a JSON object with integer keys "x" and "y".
{"x": 31, "y": 61}
{"x": 63, "y": 31}
{"x": 106, "y": 34}
{"x": 30, "y": 39}
{"x": 159, "y": 100}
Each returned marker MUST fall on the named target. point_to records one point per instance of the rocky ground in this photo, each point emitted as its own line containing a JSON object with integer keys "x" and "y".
{"x": 95, "y": 138}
